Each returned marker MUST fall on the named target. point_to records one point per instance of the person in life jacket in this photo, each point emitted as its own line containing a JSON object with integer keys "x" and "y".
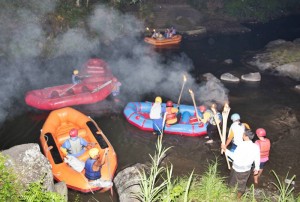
{"x": 93, "y": 168}
{"x": 75, "y": 145}
{"x": 171, "y": 117}
{"x": 75, "y": 77}
{"x": 236, "y": 131}
{"x": 209, "y": 118}
{"x": 200, "y": 112}
{"x": 264, "y": 146}
{"x": 116, "y": 89}
{"x": 156, "y": 114}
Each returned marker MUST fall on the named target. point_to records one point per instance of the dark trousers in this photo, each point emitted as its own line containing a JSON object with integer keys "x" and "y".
{"x": 211, "y": 129}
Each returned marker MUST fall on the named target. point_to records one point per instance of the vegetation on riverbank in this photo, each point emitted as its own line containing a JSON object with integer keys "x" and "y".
{"x": 158, "y": 184}
{"x": 12, "y": 190}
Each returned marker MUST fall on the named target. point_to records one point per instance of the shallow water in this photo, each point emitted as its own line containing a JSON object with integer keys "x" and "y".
{"x": 256, "y": 103}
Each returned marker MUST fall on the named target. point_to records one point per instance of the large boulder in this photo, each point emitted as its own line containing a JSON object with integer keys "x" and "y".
{"x": 127, "y": 182}
{"x": 31, "y": 165}
{"x": 279, "y": 57}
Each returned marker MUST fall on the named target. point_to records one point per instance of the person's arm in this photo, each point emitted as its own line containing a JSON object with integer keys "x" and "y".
{"x": 230, "y": 137}
{"x": 101, "y": 161}
{"x": 256, "y": 158}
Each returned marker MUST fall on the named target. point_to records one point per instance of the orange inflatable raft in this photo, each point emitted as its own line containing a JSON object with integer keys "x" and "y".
{"x": 53, "y": 134}
{"x": 176, "y": 39}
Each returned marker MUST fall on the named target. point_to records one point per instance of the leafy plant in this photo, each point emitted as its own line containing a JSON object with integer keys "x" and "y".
{"x": 9, "y": 191}
{"x": 36, "y": 193}
{"x": 285, "y": 190}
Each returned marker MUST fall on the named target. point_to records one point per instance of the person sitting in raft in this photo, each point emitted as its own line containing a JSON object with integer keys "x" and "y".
{"x": 173, "y": 31}
{"x": 155, "y": 34}
{"x": 172, "y": 112}
{"x": 200, "y": 112}
{"x": 93, "y": 168}
{"x": 74, "y": 146}
{"x": 156, "y": 114}
{"x": 167, "y": 33}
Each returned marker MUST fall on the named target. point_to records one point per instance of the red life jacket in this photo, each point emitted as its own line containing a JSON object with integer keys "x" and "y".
{"x": 171, "y": 117}
{"x": 264, "y": 147}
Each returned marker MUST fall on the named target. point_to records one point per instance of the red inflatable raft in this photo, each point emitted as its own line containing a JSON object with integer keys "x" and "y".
{"x": 96, "y": 86}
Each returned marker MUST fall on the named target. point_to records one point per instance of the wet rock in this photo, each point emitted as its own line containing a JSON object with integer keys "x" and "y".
{"x": 291, "y": 70}
{"x": 127, "y": 182}
{"x": 253, "y": 77}
{"x": 228, "y": 61}
{"x": 280, "y": 57}
{"x": 229, "y": 77}
{"x": 31, "y": 165}
{"x": 285, "y": 118}
{"x": 275, "y": 43}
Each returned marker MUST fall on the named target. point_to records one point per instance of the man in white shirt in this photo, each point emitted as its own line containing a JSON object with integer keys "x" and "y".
{"x": 243, "y": 157}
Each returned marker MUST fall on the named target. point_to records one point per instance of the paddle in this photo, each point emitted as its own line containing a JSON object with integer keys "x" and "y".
{"x": 102, "y": 86}
{"x": 225, "y": 114}
{"x": 68, "y": 89}
{"x": 219, "y": 130}
{"x": 193, "y": 98}
{"x": 184, "y": 81}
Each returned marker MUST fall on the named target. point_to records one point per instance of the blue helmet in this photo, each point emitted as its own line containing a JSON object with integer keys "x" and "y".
{"x": 235, "y": 117}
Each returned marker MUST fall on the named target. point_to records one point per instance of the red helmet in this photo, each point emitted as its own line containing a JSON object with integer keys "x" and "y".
{"x": 202, "y": 108}
{"x": 73, "y": 132}
{"x": 260, "y": 132}
{"x": 169, "y": 103}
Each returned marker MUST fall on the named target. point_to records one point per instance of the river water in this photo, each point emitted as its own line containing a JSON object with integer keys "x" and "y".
{"x": 256, "y": 103}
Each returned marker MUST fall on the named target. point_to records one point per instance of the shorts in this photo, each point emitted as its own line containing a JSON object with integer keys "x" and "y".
{"x": 262, "y": 164}
{"x": 239, "y": 179}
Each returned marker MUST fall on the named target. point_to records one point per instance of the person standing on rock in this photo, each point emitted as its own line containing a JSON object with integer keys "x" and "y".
{"x": 264, "y": 146}
{"x": 243, "y": 157}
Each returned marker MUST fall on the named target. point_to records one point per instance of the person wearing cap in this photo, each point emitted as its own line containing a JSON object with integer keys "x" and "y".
{"x": 264, "y": 146}
{"x": 156, "y": 114}
{"x": 236, "y": 131}
{"x": 75, "y": 77}
{"x": 93, "y": 168}
{"x": 74, "y": 145}
{"x": 243, "y": 157}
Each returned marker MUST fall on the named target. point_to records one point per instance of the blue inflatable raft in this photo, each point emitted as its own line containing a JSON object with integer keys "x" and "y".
{"x": 137, "y": 113}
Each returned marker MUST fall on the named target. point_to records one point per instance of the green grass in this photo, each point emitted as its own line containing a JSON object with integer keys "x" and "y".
{"x": 158, "y": 184}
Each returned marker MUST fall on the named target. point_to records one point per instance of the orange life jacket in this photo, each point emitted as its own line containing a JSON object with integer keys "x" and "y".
{"x": 264, "y": 147}
{"x": 171, "y": 117}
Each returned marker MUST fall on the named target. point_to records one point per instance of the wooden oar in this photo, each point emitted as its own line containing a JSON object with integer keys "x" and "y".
{"x": 68, "y": 89}
{"x": 102, "y": 86}
{"x": 193, "y": 98}
{"x": 219, "y": 130}
{"x": 216, "y": 118}
{"x": 225, "y": 114}
{"x": 184, "y": 81}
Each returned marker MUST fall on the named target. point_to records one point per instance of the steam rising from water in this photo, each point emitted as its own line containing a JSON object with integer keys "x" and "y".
{"x": 110, "y": 35}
